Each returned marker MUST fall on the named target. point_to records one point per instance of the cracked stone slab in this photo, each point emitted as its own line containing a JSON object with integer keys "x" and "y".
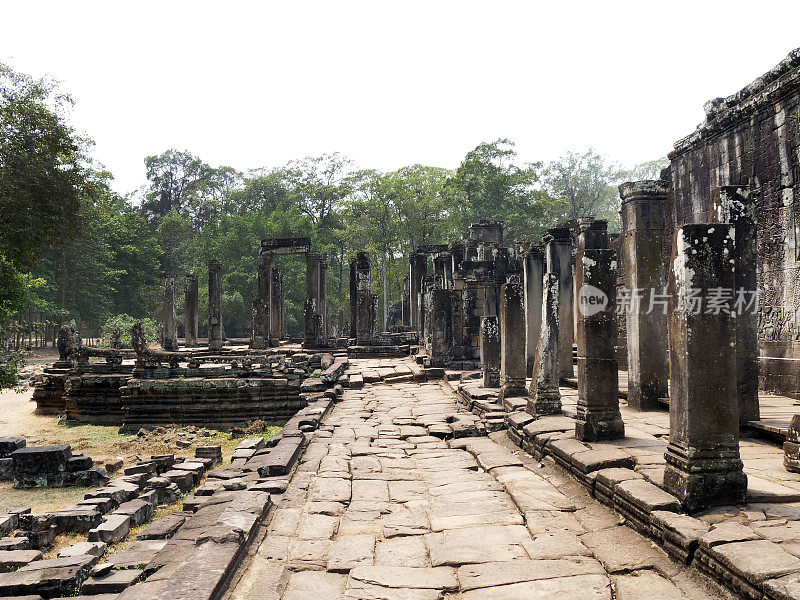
{"x": 489, "y": 575}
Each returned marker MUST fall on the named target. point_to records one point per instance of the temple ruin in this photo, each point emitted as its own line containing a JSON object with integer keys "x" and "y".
{"x": 542, "y": 417}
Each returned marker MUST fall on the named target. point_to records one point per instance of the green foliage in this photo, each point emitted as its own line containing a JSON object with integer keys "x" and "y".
{"x": 11, "y": 362}
{"x": 585, "y": 183}
{"x": 43, "y": 173}
{"x": 125, "y": 322}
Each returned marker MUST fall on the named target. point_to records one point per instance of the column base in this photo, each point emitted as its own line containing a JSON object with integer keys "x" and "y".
{"x": 705, "y": 482}
{"x": 593, "y": 428}
{"x": 258, "y": 343}
{"x": 544, "y": 401}
{"x": 511, "y": 391}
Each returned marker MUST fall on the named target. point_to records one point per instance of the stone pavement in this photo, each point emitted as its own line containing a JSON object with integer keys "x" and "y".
{"x": 379, "y": 509}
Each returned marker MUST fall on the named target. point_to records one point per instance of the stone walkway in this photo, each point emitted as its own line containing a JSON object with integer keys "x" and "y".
{"x": 381, "y": 510}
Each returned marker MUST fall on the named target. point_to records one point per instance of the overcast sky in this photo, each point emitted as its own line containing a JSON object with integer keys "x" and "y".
{"x": 252, "y": 84}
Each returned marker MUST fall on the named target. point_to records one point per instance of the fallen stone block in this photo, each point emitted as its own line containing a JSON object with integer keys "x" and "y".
{"x": 41, "y": 466}
{"x": 282, "y": 457}
{"x": 113, "y": 582}
{"x": 78, "y": 519}
{"x": 163, "y": 529}
{"x": 11, "y": 560}
{"x": 83, "y": 548}
{"x": 48, "y": 578}
{"x": 112, "y": 530}
{"x": 10, "y": 444}
{"x": 140, "y": 511}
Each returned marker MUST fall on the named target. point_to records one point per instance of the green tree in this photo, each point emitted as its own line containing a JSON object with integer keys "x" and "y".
{"x": 43, "y": 168}
{"x": 490, "y": 185}
{"x": 585, "y": 182}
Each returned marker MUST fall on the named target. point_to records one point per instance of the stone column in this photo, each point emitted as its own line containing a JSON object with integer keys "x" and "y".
{"x": 311, "y": 333}
{"x": 490, "y": 351}
{"x": 323, "y": 300}
{"x": 261, "y": 313}
{"x": 440, "y": 278}
{"x": 418, "y": 268}
{"x": 598, "y": 371}
{"x": 276, "y": 302}
{"x": 544, "y": 397}
{"x": 214, "y": 304}
{"x": 441, "y": 327}
{"x": 533, "y": 266}
{"x": 406, "y": 303}
{"x": 558, "y": 250}
{"x": 703, "y": 465}
{"x": 353, "y": 297}
{"x": 169, "y": 316}
{"x": 365, "y": 309}
{"x": 642, "y": 212}
{"x": 192, "y": 310}
{"x": 735, "y": 205}
{"x": 512, "y": 341}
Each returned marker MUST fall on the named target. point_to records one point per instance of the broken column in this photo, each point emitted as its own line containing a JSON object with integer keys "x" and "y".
{"x": 418, "y": 268}
{"x": 169, "y": 317}
{"x": 490, "y": 351}
{"x": 703, "y": 465}
{"x": 276, "y": 305}
{"x": 441, "y": 327}
{"x": 598, "y": 372}
{"x": 544, "y": 397}
{"x": 406, "y": 305}
{"x": 735, "y": 205}
{"x": 365, "y": 307}
{"x": 311, "y": 325}
{"x": 533, "y": 266}
{"x": 512, "y": 340}
{"x": 558, "y": 250}
{"x": 214, "y": 304}
{"x": 192, "y": 310}
{"x": 642, "y": 212}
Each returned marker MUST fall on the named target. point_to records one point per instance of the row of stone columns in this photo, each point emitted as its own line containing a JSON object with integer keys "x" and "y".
{"x": 169, "y": 319}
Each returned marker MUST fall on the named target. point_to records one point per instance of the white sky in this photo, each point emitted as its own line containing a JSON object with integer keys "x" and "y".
{"x": 252, "y": 84}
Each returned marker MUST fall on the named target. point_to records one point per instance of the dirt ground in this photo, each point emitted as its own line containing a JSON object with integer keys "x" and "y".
{"x": 101, "y": 443}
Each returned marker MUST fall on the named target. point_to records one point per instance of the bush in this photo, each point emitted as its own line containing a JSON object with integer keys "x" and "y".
{"x": 11, "y": 361}
{"x": 125, "y": 322}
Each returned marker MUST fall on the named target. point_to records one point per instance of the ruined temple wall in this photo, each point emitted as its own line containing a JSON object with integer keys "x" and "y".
{"x": 752, "y": 139}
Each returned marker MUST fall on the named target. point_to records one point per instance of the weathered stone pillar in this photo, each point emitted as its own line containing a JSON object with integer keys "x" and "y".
{"x": 311, "y": 333}
{"x": 365, "y": 307}
{"x": 323, "y": 300}
{"x": 735, "y": 205}
{"x": 490, "y": 351}
{"x": 598, "y": 372}
{"x": 642, "y": 212}
{"x": 558, "y": 249}
{"x": 791, "y": 447}
{"x": 406, "y": 303}
{"x": 544, "y": 397}
{"x": 533, "y": 266}
{"x": 191, "y": 313}
{"x": 418, "y": 268}
{"x": 703, "y": 465}
{"x": 353, "y": 297}
{"x": 261, "y": 306}
{"x": 441, "y": 327}
{"x": 169, "y": 316}
{"x": 214, "y": 304}
{"x": 439, "y": 263}
{"x": 276, "y": 304}
{"x": 512, "y": 341}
